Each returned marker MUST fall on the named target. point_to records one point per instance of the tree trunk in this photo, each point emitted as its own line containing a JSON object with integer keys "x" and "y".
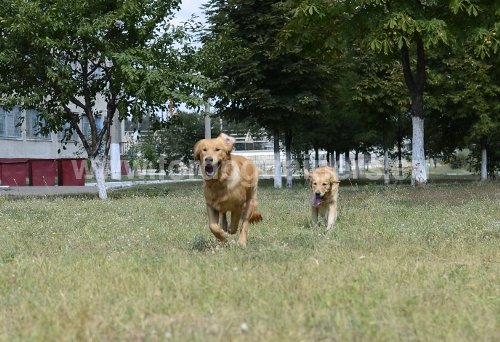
{"x": 288, "y": 158}
{"x": 98, "y": 164}
{"x": 114, "y": 151}
{"x": 387, "y": 179}
{"x": 416, "y": 84}
{"x": 356, "y": 164}
{"x": 307, "y": 163}
{"x": 337, "y": 162}
{"x": 400, "y": 158}
{"x": 208, "y": 123}
{"x": 419, "y": 172}
{"x": 347, "y": 159}
{"x": 316, "y": 157}
{"x": 277, "y": 159}
{"x": 484, "y": 160}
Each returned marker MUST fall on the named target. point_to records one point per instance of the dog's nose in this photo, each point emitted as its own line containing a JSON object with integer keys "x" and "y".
{"x": 209, "y": 160}
{"x": 318, "y": 194}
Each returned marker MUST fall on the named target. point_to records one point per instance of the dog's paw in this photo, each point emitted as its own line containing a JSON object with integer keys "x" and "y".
{"x": 220, "y": 234}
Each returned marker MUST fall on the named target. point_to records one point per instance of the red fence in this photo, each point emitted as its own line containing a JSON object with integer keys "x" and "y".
{"x": 71, "y": 172}
{"x": 40, "y": 172}
{"x": 13, "y": 172}
{"x": 43, "y": 172}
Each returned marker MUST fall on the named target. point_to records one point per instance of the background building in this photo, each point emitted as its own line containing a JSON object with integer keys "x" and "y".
{"x": 28, "y": 157}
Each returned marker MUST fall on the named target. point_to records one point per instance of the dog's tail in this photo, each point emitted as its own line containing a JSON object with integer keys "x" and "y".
{"x": 253, "y": 215}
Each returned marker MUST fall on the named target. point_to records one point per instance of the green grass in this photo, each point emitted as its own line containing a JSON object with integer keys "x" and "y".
{"x": 402, "y": 264}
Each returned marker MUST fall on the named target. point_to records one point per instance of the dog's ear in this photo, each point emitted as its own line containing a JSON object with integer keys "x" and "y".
{"x": 228, "y": 140}
{"x": 333, "y": 178}
{"x": 197, "y": 150}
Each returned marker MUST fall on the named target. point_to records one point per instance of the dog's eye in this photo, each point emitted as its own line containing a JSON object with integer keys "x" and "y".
{"x": 217, "y": 149}
{"x": 205, "y": 149}
{"x": 314, "y": 183}
{"x": 324, "y": 184}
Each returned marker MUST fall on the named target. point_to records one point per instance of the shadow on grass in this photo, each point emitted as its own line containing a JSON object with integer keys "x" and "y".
{"x": 156, "y": 190}
{"x": 201, "y": 244}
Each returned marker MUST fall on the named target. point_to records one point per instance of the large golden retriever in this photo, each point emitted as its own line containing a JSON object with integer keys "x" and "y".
{"x": 230, "y": 185}
{"x": 324, "y": 183}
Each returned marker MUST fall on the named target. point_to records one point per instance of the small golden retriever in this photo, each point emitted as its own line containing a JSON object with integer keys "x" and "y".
{"x": 230, "y": 185}
{"x": 324, "y": 183}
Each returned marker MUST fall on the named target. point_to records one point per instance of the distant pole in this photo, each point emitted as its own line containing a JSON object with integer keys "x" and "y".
{"x": 208, "y": 127}
{"x": 114, "y": 150}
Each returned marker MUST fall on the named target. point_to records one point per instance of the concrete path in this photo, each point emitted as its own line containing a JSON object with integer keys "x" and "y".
{"x": 46, "y": 190}
{"x": 89, "y": 188}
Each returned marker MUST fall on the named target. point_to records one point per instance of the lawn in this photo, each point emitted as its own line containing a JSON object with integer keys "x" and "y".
{"x": 402, "y": 264}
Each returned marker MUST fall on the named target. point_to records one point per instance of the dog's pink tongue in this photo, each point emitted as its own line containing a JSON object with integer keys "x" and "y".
{"x": 316, "y": 201}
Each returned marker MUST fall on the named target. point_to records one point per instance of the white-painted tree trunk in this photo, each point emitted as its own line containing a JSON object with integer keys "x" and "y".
{"x": 277, "y": 170}
{"x": 340, "y": 164}
{"x": 277, "y": 161}
{"x": 419, "y": 172}
{"x": 356, "y": 165}
{"x": 484, "y": 164}
{"x": 98, "y": 164}
{"x": 115, "y": 162}
{"x": 348, "y": 167}
{"x": 289, "y": 169}
{"x": 114, "y": 151}
{"x": 208, "y": 123}
{"x": 387, "y": 180}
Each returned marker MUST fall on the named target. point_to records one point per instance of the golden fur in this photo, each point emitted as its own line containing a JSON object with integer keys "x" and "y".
{"x": 324, "y": 183}
{"x": 230, "y": 185}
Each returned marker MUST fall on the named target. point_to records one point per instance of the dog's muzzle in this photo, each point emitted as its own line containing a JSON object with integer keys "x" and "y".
{"x": 210, "y": 168}
{"x": 317, "y": 199}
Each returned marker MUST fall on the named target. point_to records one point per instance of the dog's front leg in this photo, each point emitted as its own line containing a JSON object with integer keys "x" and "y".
{"x": 235, "y": 221}
{"x": 314, "y": 212}
{"x": 213, "y": 222}
{"x": 244, "y": 225}
{"x": 332, "y": 215}
{"x": 223, "y": 221}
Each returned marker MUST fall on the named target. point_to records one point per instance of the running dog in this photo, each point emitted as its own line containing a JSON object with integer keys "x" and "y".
{"x": 229, "y": 185}
{"x": 324, "y": 183}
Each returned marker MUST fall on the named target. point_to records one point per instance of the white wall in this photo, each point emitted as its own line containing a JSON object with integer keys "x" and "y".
{"x": 40, "y": 149}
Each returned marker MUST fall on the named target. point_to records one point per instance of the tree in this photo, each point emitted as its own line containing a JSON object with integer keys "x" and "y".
{"x": 381, "y": 93}
{"x": 173, "y": 142}
{"x": 63, "y": 58}
{"x": 405, "y": 30}
{"x": 252, "y": 77}
{"x": 477, "y": 91}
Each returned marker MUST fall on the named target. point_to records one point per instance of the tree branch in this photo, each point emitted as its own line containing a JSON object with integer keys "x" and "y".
{"x": 405, "y": 60}
{"x": 75, "y": 125}
{"x": 420, "y": 65}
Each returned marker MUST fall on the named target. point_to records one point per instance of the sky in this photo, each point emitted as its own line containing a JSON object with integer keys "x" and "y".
{"x": 189, "y": 7}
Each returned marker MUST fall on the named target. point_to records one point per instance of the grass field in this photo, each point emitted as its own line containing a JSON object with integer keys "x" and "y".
{"x": 402, "y": 264}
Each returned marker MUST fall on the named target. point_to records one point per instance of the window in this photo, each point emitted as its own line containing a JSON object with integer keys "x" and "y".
{"x": 84, "y": 127}
{"x": 10, "y": 123}
{"x": 33, "y": 126}
{"x": 62, "y": 134}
